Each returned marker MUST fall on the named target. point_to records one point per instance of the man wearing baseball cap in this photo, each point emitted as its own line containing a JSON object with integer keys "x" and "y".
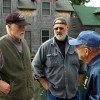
{"x": 16, "y": 18}
{"x": 88, "y": 48}
{"x": 16, "y": 81}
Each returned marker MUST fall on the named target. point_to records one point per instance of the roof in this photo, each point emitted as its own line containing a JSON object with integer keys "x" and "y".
{"x": 26, "y": 4}
{"x": 97, "y": 11}
{"x": 64, "y": 5}
{"x": 86, "y": 15}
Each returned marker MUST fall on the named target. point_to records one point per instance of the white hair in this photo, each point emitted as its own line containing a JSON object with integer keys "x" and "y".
{"x": 7, "y": 28}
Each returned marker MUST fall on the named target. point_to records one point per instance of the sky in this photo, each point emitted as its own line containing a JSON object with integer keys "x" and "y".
{"x": 93, "y": 3}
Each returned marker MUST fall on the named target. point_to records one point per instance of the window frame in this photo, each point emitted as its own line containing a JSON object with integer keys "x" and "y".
{"x": 10, "y": 7}
{"x": 45, "y": 9}
{"x": 44, "y": 36}
{"x": 29, "y": 42}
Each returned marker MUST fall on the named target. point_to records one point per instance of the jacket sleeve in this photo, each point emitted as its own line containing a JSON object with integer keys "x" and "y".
{"x": 38, "y": 63}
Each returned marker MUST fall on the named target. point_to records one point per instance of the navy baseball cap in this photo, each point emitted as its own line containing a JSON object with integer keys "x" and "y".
{"x": 16, "y": 18}
{"x": 88, "y": 38}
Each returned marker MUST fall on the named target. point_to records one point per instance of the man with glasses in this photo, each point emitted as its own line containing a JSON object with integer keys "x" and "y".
{"x": 57, "y": 66}
{"x": 88, "y": 49}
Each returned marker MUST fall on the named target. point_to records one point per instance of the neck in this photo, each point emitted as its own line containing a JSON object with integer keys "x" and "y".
{"x": 61, "y": 41}
{"x": 90, "y": 57}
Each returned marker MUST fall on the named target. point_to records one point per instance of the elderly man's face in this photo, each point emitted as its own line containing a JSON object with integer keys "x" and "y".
{"x": 82, "y": 52}
{"x": 60, "y": 31}
{"x": 16, "y": 31}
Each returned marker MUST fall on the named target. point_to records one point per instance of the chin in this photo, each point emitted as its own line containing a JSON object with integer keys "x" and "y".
{"x": 80, "y": 58}
{"x": 61, "y": 38}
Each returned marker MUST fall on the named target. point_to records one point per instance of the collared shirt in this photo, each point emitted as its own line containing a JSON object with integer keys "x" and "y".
{"x": 60, "y": 73}
{"x": 91, "y": 89}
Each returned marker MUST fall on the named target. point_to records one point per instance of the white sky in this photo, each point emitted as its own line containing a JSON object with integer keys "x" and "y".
{"x": 93, "y": 3}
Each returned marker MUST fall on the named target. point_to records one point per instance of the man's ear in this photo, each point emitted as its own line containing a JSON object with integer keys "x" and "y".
{"x": 9, "y": 25}
{"x": 86, "y": 52}
{"x": 67, "y": 27}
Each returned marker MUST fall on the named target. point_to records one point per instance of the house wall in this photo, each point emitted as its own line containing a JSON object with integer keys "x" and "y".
{"x": 76, "y": 26}
{"x": 37, "y": 20}
{"x": 44, "y": 22}
{"x": 3, "y": 16}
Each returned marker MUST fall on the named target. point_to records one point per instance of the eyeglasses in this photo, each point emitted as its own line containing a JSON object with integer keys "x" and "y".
{"x": 61, "y": 28}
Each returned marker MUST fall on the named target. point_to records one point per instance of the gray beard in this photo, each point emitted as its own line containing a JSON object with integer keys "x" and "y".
{"x": 60, "y": 37}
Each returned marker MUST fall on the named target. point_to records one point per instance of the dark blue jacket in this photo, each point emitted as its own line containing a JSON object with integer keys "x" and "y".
{"x": 91, "y": 89}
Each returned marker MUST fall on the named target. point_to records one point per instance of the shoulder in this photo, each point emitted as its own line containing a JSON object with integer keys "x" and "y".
{"x": 45, "y": 46}
{"x": 96, "y": 68}
{"x": 70, "y": 38}
{"x": 2, "y": 40}
{"x": 47, "y": 43}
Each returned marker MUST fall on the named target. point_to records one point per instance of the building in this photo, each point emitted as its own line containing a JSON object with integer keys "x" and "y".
{"x": 84, "y": 18}
{"x": 40, "y": 13}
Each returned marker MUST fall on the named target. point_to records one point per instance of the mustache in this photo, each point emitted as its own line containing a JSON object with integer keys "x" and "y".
{"x": 59, "y": 33}
{"x": 22, "y": 33}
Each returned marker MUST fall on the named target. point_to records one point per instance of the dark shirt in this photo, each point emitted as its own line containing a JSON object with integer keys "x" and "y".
{"x": 61, "y": 45}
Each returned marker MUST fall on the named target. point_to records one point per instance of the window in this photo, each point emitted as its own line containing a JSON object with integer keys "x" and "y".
{"x": 45, "y": 8}
{"x": 6, "y": 6}
{"x": 44, "y": 35}
{"x": 28, "y": 38}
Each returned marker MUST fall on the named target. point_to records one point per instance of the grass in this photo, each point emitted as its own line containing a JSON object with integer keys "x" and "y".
{"x": 42, "y": 93}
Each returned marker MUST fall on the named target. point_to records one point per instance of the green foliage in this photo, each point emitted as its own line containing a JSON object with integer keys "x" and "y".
{"x": 42, "y": 90}
{"x": 79, "y": 2}
{"x": 42, "y": 93}
{"x": 82, "y": 83}
{"x": 32, "y": 55}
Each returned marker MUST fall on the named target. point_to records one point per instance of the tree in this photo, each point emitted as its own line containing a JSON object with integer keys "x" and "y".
{"x": 79, "y": 2}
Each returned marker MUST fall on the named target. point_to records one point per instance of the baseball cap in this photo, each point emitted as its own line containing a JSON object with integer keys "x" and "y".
{"x": 16, "y": 18}
{"x": 88, "y": 38}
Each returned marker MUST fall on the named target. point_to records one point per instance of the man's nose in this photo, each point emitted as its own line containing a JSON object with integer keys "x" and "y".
{"x": 58, "y": 30}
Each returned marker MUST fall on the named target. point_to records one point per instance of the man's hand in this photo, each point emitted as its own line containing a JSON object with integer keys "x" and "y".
{"x": 4, "y": 87}
{"x": 44, "y": 83}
